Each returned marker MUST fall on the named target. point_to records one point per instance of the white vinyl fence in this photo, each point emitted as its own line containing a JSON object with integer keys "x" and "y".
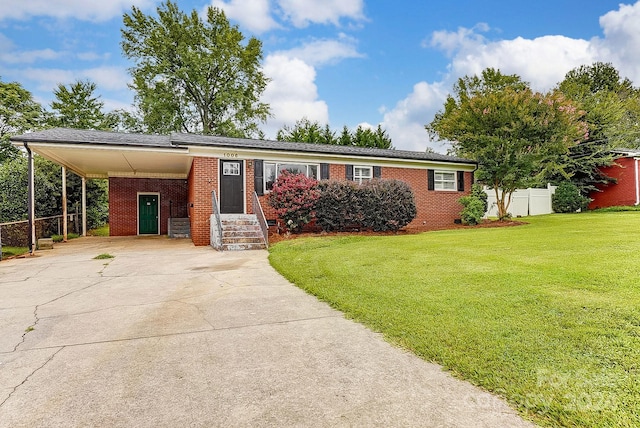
{"x": 524, "y": 202}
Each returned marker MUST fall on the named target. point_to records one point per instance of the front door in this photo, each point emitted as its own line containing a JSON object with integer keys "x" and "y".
{"x": 231, "y": 187}
{"x": 148, "y": 214}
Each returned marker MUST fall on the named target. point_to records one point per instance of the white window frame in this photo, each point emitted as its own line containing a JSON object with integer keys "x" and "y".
{"x": 362, "y": 173}
{"x": 442, "y": 184}
{"x": 278, "y": 166}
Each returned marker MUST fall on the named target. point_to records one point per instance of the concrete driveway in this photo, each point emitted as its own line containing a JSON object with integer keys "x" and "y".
{"x": 166, "y": 334}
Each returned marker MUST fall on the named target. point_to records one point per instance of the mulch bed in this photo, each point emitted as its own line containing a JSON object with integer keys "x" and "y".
{"x": 277, "y": 237}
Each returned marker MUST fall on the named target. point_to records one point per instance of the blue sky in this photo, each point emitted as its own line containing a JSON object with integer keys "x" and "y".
{"x": 342, "y": 62}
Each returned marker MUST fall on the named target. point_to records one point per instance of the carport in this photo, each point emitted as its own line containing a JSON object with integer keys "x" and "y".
{"x": 94, "y": 154}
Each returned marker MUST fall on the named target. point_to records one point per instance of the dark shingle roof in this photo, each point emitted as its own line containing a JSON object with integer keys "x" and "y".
{"x": 85, "y": 136}
{"x": 213, "y": 141}
{"x": 177, "y": 141}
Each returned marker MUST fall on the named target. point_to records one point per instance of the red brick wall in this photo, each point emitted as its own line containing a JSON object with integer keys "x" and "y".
{"x": 621, "y": 193}
{"x": 435, "y": 209}
{"x": 123, "y": 202}
{"x": 203, "y": 178}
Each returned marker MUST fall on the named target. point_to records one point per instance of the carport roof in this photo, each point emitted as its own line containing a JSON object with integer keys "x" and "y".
{"x": 99, "y": 154}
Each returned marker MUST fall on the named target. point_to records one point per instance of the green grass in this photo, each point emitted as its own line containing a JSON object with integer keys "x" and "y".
{"x": 103, "y": 256}
{"x": 100, "y": 231}
{"x": 60, "y": 238}
{"x": 546, "y": 315}
{"x": 13, "y": 251}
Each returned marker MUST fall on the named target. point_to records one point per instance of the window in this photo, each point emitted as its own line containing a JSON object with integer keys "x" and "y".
{"x": 362, "y": 173}
{"x": 444, "y": 180}
{"x": 231, "y": 168}
{"x": 272, "y": 171}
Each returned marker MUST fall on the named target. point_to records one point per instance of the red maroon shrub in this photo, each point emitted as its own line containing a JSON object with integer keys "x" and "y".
{"x": 294, "y": 196}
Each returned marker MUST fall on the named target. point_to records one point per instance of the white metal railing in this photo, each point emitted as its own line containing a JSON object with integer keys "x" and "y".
{"x": 216, "y": 234}
{"x": 257, "y": 210}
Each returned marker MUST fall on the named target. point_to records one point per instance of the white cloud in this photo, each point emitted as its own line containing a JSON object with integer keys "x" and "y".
{"x": 79, "y": 9}
{"x": 258, "y": 15}
{"x": 254, "y": 15}
{"x": 622, "y": 40}
{"x": 304, "y": 12}
{"x": 321, "y": 52}
{"x": 405, "y": 122}
{"x": 106, "y": 78}
{"x": 543, "y": 61}
{"x": 291, "y": 93}
{"x": 29, "y": 57}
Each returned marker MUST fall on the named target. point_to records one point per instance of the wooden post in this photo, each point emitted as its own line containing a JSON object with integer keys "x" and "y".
{"x": 84, "y": 206}
{"x": 64, "y": 204}
{"x": 31, "y": 228}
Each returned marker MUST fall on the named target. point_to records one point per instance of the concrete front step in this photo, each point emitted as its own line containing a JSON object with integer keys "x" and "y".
{"x": 241, "y": 232}
{"x": 179, "y": 228}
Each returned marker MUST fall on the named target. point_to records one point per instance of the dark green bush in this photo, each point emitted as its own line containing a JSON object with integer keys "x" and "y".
{"x": 338, "y": 207}
{"x": 568, "y": 199}
{"x": 475, "y": 205}
{"x": 379, "y": 205}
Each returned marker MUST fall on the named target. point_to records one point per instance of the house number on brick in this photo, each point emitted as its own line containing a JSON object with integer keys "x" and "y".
{"x": 231, "y": 155}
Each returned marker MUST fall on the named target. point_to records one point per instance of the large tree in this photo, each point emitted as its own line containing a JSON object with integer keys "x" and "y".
{"x": 78, "y": 106}
{"x": 307, "y": 131}
{"x": 516, "y": 135}
{"x": 610, "y": 103}
{"x": 194, "y": 75}
{"x": 18, "y": 113}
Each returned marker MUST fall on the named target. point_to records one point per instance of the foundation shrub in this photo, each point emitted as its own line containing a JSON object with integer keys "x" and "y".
{"x": 294, "y": 198}
{"x": 475, "y": 205}
{"x": 338, "y": 207}
{"x": 379, "y": 205}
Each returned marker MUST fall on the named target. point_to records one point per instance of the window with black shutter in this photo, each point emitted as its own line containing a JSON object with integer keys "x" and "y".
{"x": 377, "y": 172}
{"x": 460, "y": 181}
{"x": 431, "y": 179}
{"x": 324, "y": 171}
{"x": 349, "y": 172}
{"x": 258, "y": 185}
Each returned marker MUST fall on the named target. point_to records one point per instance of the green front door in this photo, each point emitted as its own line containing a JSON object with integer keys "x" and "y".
{"x": 147, "y": 214}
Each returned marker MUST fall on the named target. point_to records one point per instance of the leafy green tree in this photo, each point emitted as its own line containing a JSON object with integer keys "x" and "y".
{"x": 516, "y": 135}
{"x": 77, "y": 106}
{"x": 192, "y": 74}
{"x": 306, "y": 131}
{"x": 365, "y": 137}
{"x": 18, "y": 113}
{"x": 609, "y": 102}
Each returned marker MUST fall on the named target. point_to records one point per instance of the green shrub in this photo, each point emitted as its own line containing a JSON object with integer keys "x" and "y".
{"x": 473, "y": 210}
{"x": 567, "y": 198}
{"x": 294, "y": 197}
{"x": 475, "y": 205}
{"x": 379, "y": 205}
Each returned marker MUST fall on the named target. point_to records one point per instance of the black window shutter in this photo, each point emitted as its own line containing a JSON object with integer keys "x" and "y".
{"x": 460, "y": 181}
{"x": 324, "y": 171}
{"x": 349, "y": 172}
{"x": 377, "y": 172}
{"x": 258, "y": 177}
{"x": 431, "y": 178}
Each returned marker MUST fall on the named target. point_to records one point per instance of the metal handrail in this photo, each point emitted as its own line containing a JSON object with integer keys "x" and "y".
{"x": 216, "y": 212}
{"x": 257, "y": 210}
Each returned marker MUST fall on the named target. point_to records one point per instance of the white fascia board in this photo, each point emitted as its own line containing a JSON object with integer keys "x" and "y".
{"x": 283, "y": 156}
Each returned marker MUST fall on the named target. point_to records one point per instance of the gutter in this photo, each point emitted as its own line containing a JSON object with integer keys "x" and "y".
{"x": 637, "y": 182}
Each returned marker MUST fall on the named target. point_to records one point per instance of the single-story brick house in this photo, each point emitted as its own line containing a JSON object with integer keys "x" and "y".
{"x": 153, "y": 178}
{"x": 626, "y": 189}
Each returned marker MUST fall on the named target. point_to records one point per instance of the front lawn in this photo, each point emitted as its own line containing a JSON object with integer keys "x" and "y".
{"x": 546, "y": 315}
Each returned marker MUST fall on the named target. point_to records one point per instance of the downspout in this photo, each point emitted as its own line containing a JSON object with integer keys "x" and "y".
{"x": 31, "y": 226}
{"x": 637, "y": 183}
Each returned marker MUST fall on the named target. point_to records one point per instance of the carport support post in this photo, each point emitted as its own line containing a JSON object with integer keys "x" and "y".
{"x": 84, "y": 206}
{"x": 64, "y": 204}
{"x": 31, "y": 226}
